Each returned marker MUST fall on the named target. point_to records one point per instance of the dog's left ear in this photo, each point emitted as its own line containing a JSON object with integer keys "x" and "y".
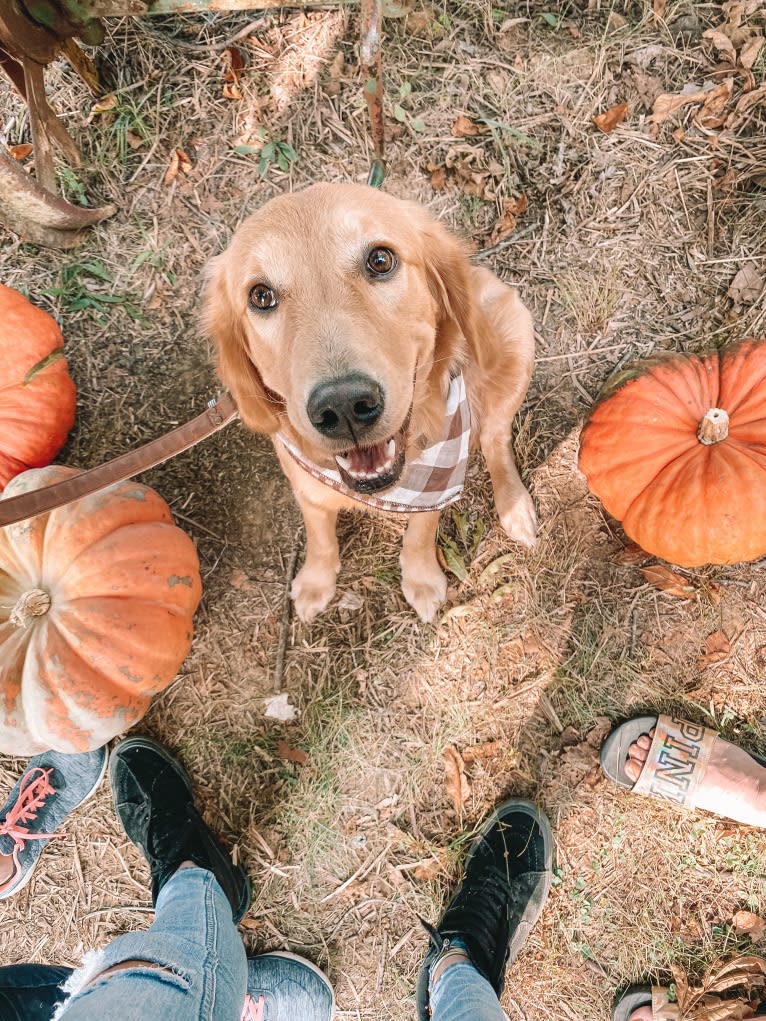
{"x": 448, "y": 271}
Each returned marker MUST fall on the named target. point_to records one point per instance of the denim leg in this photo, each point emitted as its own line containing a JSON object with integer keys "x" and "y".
{"x": 202, "y": 974}
{"x": 462, "y": 994}
{"x": 30, "y": 992}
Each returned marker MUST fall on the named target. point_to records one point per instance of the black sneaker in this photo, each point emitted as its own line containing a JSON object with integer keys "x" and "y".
{"x": 154, "y": 800}
{"x": 506, "y": 881}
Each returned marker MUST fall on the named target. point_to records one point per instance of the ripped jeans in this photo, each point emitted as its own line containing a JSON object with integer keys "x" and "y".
{"x": 201, "y": 973}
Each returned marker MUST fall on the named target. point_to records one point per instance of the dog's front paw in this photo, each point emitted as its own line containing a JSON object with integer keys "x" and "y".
{"x": 425, "y": 592}
{"x": 520, "y": 520}
{"x": 312, "y": 590}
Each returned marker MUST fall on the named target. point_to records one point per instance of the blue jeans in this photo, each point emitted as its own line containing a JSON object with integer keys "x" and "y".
{"x": 202, "y": 973}
{"x": 463, "y": 994}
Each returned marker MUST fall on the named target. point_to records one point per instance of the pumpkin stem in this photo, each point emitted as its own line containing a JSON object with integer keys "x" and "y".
{"x": 34, "y": 603}
{"x": 714, "y": 427}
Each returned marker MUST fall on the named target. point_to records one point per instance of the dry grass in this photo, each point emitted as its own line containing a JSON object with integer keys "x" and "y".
{"x": 629, "y": 244}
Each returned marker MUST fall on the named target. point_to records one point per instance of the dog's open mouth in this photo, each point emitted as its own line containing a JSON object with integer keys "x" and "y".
{"x": 370, "y": 469}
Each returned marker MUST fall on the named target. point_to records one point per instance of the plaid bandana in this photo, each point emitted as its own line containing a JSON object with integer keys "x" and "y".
{"x": 434, "y": 479}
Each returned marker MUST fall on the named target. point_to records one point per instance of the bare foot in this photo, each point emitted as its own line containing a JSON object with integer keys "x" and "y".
{"x": 734, "y": 785}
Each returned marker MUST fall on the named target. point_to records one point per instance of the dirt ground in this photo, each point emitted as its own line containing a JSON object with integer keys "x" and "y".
{"x": 646, "y": 236}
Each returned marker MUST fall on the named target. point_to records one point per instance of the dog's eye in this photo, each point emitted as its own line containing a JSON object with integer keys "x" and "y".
{"x": 262, "y": 298}
{"x": 381, "y": 262}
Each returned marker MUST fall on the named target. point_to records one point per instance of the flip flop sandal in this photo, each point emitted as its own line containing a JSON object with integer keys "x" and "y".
{"x": 677, "y": 759}
{"x": 655, "y": 997}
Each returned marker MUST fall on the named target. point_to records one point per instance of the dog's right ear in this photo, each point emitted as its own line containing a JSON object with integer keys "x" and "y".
{"x": 222, "y": 322}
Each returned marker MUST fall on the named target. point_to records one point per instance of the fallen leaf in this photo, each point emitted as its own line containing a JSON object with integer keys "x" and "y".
{"x": 233, "y": 64}
{"x": 717, "y": 648}
{"x": 484, "y": 750}
{"x": 279, "y": 707}
{"x": 609, "y": 120}
{"x": 669, "y": 581}
{"x": 506, "y": 224}
{"x": 750, "y": 51}
{"x": 286, "y": 751}
{"x": 466, "y": 128}
{"x": 438, "y": 177}
{"x": 456, "y": 784}
{"x": 722, "y": 43}
{"x": 658, "y": 9}
{"x": 667, "y": 103}
{"x": 713, "y": 113}
{"x": 746, "y": 286}
{"x": 747, "y": 924}
{"x": 630, "y": 554}
{"x": 179, "y": 163}
{"x": 231, "y": 90}
{"x": 741, "y": 113}
{"x": 21, "y": 151}
{"x": 104, "y": 105}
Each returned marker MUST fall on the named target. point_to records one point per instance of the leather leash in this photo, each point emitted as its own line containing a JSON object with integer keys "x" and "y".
{"x": 26, "y": 505}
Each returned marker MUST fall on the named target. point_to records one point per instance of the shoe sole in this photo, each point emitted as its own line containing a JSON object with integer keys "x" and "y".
{"x": 28, "y": 875}
{"x": 307, "y": 964}
{"x": 149, "y": 744}
{"x": 520, "y": 805}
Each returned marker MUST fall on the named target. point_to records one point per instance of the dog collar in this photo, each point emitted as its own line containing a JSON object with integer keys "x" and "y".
{"x": 431, "y": 481}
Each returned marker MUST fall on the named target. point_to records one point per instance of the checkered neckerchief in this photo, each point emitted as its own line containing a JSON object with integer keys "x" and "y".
{"x": 432, "y": 480}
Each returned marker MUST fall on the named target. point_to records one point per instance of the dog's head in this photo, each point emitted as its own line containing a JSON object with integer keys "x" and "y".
{"x": 338, "y": 313}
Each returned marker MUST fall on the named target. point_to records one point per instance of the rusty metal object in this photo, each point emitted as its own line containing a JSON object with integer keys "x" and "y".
{"x": 31, "y": 207}
{"x": 372, "y": 68}
{"x": 38, "y": 215}
{"x": 32, "y": 34}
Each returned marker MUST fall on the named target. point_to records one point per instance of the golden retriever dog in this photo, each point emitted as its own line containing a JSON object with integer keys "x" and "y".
{"x": 346, "y": 322}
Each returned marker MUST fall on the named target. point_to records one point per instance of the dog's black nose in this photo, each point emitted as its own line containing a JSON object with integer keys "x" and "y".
{"x": 345, "y": 408}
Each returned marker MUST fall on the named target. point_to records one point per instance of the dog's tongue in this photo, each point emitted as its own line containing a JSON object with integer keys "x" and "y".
{"x": 367, "y": 459}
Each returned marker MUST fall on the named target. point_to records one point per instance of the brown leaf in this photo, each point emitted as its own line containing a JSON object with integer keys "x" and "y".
{"x": 456, "y": 784}
{"x": 717, "y": 648}
{"x": 749, "y": 52}
{"x": 233, "y": 64}
{"x": 713, "y": 112}
{"x": 746, "y": 286}
{"x": 669, "y": 102}
{"x": 231, "y": 90}
{"x": 466, "y": 128}
{"x": 658, "y": 9}
{"x": 630, "y": 554}
{"x": 484, "y": 750}
{"x": 722, "y": 43}
{"x": 172, "y": 172}
{"x": 104, "y": 104}
{"x": 21, "y": 151}
{"x": 669, "y": 581}
{"x": 286, "y": 751}
{"x": 506, "y": 224}
{"x": 609, "y": 120}
{"x": 438, "y": 177}
{"x": 747, "y": 924}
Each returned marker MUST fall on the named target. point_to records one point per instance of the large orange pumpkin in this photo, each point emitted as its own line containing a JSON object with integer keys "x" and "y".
{"x": 676, "y": 450}
{"x": 37, "y": 395}
{"x": 96, "y": 606}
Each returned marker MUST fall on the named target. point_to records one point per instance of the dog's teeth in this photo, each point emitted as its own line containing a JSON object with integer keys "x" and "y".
{"x": 391, "y": 449}
{"x": 344, "y": 462}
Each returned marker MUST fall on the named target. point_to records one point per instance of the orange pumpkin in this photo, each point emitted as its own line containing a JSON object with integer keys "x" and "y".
{"x": 96, "y": 606}
{"x": 676, "y": 450}
{"x": 37, "y": 395}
